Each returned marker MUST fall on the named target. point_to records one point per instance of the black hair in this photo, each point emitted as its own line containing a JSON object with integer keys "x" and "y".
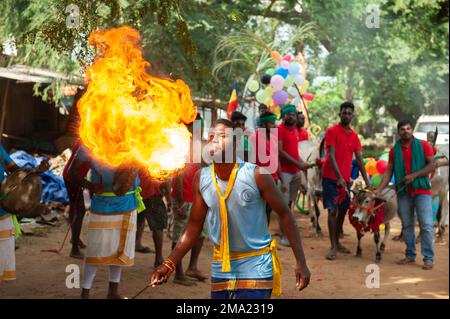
{"x": 347, "y": 105}
{"x": 225, "y": 122}
{"x": 236, "y": 116}
{"x": 261, "y": 106}
{"x": 403, "y": 123}
{"x": 190, "y": 126}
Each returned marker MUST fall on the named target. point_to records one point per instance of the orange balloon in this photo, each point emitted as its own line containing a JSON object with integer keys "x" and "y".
{"x": 371, "y": 167}
{"x": 276, "y": 56}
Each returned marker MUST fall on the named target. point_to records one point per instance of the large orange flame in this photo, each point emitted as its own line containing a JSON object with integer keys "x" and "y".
{"x": 129, "y": 117}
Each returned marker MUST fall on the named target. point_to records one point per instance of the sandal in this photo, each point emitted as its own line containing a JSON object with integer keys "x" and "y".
{"x": 406, "y": 261}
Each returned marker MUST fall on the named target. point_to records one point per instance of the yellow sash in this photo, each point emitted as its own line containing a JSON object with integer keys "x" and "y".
{"x": 224, "y": 241}
{"x": 276, "y": 262}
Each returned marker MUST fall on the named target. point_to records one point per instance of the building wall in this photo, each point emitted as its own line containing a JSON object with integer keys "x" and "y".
{"x": 27, "y": 116}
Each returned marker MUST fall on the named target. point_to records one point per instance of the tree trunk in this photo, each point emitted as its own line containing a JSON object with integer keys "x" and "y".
{"x": 399, "y": 114}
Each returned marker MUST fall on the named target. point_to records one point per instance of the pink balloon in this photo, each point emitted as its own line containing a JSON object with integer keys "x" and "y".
{"x": 287, "y": 57}
{"x": 308, "y": 96}
{"x": 382, "y": 166}
{"x": 277, "y": 81}
{"x": 280, "y": 97}
{"x": 284, "y": 64}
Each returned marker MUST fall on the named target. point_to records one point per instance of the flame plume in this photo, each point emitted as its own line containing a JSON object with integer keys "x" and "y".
{"x": 129, "y": 117}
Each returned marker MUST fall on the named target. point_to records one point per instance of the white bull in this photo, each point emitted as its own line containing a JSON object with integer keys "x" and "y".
{"x": 310, "y": 151}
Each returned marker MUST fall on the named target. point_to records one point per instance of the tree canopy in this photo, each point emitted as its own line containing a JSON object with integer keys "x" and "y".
{"x": 401, "y": 65}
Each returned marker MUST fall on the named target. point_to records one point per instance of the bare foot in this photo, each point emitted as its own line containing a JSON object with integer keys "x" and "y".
{"x": 343, "y": 249}
{"x": 77, "y": 254}
{"x": 331, "y": 254}
{"x": 84, "y": 294}
{"x": 196, "y": 274}
{"x": 183, "y": 281}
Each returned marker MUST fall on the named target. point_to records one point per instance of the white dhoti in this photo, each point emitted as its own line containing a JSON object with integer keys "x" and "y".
{"x": 7, "y": 249}
{"x": 111, "y": 239}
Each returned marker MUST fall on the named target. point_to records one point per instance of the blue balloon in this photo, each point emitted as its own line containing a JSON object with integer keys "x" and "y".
{"x": 355, "y": 170}
{"x": 282, "y": 72}
{"x": 393, "y": 179}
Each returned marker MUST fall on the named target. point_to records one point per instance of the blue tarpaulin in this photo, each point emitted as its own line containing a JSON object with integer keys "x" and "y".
{"x": 53, "y": 187}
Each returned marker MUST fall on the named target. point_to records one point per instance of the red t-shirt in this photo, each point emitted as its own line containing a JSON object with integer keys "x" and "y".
{"x": 407, "y": 159}
{"x": 149, "y": 187}
{"x": 345, "y": 145}
{"x": 271, "y": 158}
{"x": 290, "y": 139}
{"x": 84, "y": 169}
{"x": 188, "y": 182}
{"x": 303, "y": 135}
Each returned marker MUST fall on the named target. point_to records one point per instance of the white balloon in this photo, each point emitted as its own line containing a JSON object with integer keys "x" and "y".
{"x": 294, "y": 69}
{"x": 299, "y": 79}
{"x": 296, "y": 101}
{"x": 292, "y": 91}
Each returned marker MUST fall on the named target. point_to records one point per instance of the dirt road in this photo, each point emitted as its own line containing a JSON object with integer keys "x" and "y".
{"x": 43, "y": 275}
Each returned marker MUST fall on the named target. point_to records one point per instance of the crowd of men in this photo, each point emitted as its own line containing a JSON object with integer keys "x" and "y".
{"x": 232, "y": 204}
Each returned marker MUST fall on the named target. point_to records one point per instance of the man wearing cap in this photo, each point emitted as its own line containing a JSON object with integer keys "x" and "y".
{"x": 265, "y": 146}
{"x": 290, "y": 161}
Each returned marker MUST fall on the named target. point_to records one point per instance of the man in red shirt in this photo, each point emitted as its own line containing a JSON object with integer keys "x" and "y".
{"x": 302, "y": 132}
{"x": 342, "y": 143}
{"x": 155, "y": 213}
{"x": 183, "y": 196}
{"x": 290, "y": 161}
{"x": 411, "y": 161}
{"x": 265, "y": 146}
{"x": 77, "y": 210}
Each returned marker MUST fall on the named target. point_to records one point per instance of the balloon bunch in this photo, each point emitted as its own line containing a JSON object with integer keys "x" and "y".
{"x": 376, "y": 168}
{"x": 282, "y": 84}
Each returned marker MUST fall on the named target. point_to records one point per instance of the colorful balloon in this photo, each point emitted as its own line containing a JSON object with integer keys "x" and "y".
{"x": 284, "y": 64}
{"x": 299, "y": 79}
{"x": 292, "y": 91}
{"x": 376, "y": 179}
{"x": 277, "y": 82}
{"x": 270, "y": 71}
{"x": 253, "y": 86}
{"x": 308, "y": 96}
{"x": 287, "y": 57}
{"x": 296, "y": 101}
{"x": 282, "y": 72}
{"x": 261, "y": 96}
{"x": 280, "y": 97}
{"x": 294, "y": 69}
{"x": 371, "y": 167}
{"x": 276, "y": 56}
{"x": 265, "y": 79}
{"x": 384, "y": 157}
{"x": 381, "y": 166}
{"x": 288, "y": 81}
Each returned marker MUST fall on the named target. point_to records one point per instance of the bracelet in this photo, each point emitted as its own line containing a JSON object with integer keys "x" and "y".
{"x": 169, "y": 264}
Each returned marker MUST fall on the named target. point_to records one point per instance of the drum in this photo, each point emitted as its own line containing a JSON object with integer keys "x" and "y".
{"x": 20, "y": 192}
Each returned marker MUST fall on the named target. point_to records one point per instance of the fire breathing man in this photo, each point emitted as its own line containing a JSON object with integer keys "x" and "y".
{"x": 246, "y": 262}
